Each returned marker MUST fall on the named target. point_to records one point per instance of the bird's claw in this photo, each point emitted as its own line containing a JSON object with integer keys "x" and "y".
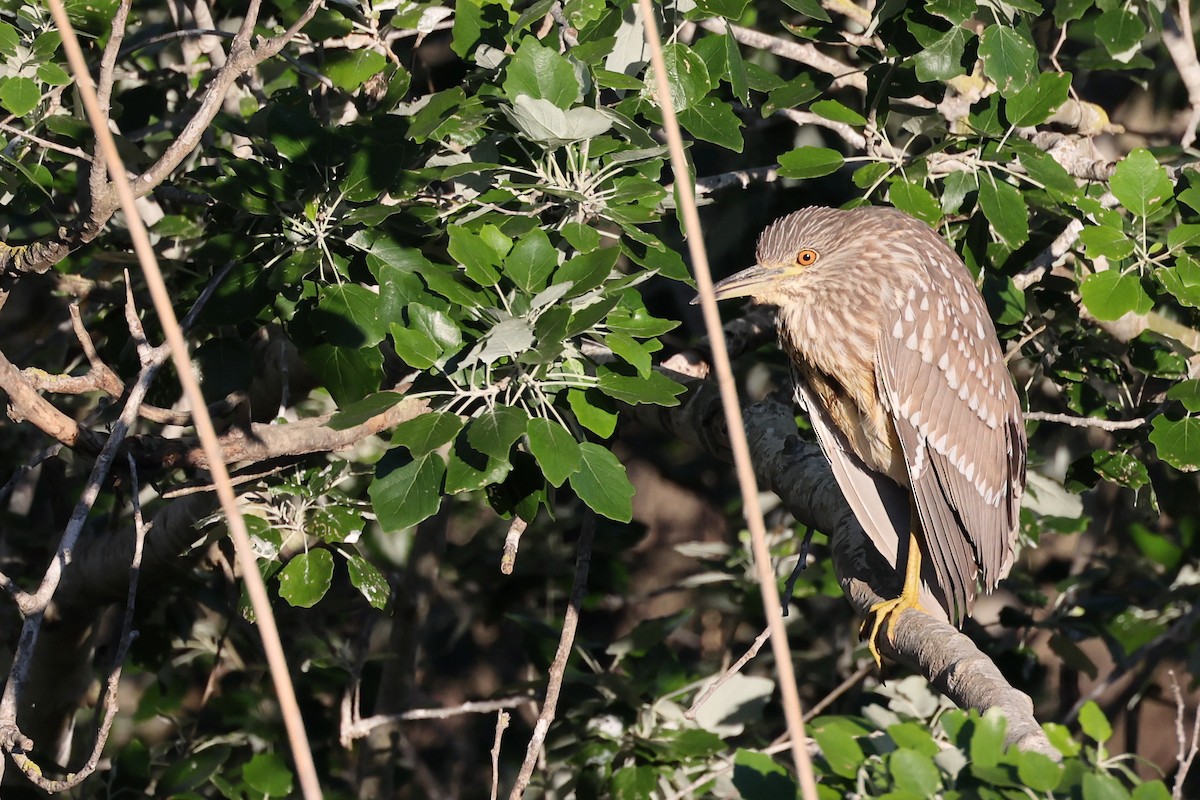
{"x": 889, "y": 611}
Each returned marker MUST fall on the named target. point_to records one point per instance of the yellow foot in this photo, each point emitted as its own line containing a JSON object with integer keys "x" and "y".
{"x": 889, "y": 610}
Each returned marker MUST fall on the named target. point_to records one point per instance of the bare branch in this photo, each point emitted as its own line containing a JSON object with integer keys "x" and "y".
{"x": 501, "y": 723}
{"x": 512, "y": 541}
{"x": 1180, "y": 42}
{"x": 1087, "y": 422}
{"x": 362, "y": 727}
{"x": 1187, "y": 752}
{"x": 558, "y": 667}
{"x": 800, "y": 474}
{"x": 700, "y": 700}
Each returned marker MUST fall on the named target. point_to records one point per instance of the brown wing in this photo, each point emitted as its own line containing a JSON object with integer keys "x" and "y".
{"x": 942, "y": 375}
{"x": 879, "y": 504}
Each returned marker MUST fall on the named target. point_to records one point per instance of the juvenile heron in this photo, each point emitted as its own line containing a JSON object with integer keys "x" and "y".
{"x": 896, "y": 359}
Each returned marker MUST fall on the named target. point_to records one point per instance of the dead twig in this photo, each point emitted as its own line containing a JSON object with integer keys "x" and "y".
{"x": 558, "y": 668}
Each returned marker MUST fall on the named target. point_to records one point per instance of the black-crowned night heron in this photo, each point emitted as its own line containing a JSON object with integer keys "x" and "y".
{"x": 896, "y": 359}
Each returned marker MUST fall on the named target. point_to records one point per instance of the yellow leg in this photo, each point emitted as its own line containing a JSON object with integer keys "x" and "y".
{"x": 891, "y": 610}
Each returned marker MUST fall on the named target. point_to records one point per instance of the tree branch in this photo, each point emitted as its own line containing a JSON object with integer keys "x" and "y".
{"x": 800, "y": 474}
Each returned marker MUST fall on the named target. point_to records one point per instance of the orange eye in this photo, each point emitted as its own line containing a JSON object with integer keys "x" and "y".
{"x": 806, "y": 257}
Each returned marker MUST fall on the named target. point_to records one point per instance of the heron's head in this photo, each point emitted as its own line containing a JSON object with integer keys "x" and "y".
{"x": 796, "y": 249}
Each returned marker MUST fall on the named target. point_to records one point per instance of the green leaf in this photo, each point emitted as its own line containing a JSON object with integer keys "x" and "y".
{"x": 832, "y": 109}
{"x": 593, "y": 410}
{"x": 914, "y": 772}
{"x": 757, "y": 776}
{"x": 368, "y": 580}
{"x": 1071, "y": 10}
{"x": 531, "y": 261}
{"x": 1094, "y": 723}
{"x": 957, "y": 11}
{"x": 349, "y": 375}
{"x": 1109, "y": 294}
{"x": 406, "y": 490}
{"x": 306, "y": 578}
{"x": 941, "y": 59}
{"x": 539, "y": 72}
{"x": 349, "y": 69}
{"x": 587, "y": 270}
{"x": 1102, "y": 786}
{"x": 1140, "y": 183}
{"x": 1009, "y": 58}
{"x": 468, "y": 25}
{"x": 1038, "y": 771}
{"x": 687, "y": 77}
{"x": 53, "y": 74}
{"x": 796, "y": 92}
{"x": 555, "y": 449}
{"x": 470, "y": 470}
{"x": 1186, "y": 235}
{"x": 1101, "y": 241}
{"x": 714, "y": 121}
{"x": 739, "y": 81}
{"x": 1188, "y": 393}
{"x": 477, "y": 257}
{"x": 1004, "y": 208}
{"x": 19, "y": 95}
{"x": 601, "y": 482}
{"x": 415, "y": 348}
{"x": 584, "y": 238}
{"x": 427, "y": 433}
{"x": 359, "y": 412}
{"x": 634, "y": 783}
{"x": 192, "y": 771}
{"x": 809, "y": 8}
{"x": 730, "y": 9}
{"x": 1177, "y": 442}
{"x": 631, "y": 351}
{"x": 494, "y": 431}
{"x": 654, "y": 388}
{"x": 346, "y": 316}
{"x": 1034, "y": 105}
{"x": 987, "y": 742}
{"x": 1152, "y": 790}
{"x": 542, "y": 121}
{"x": 1182, "y": 280}
{"x": 840, "y": 748}
{"x": 916, "y": 200}
{"x": 1060, "y": 737}
{"x": 809, "y": 162}
{"x": 268, "y": 773}
{"x": 913, "y": 736}
{"x": 1122, "y": 468}
{"x": 1120, "y": 31}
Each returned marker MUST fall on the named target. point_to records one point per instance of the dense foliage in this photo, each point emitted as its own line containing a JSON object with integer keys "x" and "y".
{"x": 437, "y": 275}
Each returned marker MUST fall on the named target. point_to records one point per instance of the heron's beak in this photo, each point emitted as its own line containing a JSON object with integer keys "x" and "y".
{"x": 748, "y": 282}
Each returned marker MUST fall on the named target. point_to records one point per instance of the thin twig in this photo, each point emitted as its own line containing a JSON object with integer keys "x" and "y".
{"x": 255, "y": 587}
{"x": 1180, "y": 42}
{"x": 732, "y": 408}
{"x": 512, "y": 541}
{"x": 736, "y": 667}
{"x": 1086, "y": 422}
{"x": 1187, "y": 752}
{"x": 74, "y": 152}
{"x": 502, "y": 718}
{"x": 362, "y": 727}
{"x": 558, "y": 668}
{"x": 109, "y": 702}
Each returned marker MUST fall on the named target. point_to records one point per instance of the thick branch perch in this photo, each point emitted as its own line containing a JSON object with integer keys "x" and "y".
{"x": 799, "y": 473}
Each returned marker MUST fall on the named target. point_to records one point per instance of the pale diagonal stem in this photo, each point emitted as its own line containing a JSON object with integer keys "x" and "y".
{"x": 686, "y": 199}
{"x": 255, "y": 587}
